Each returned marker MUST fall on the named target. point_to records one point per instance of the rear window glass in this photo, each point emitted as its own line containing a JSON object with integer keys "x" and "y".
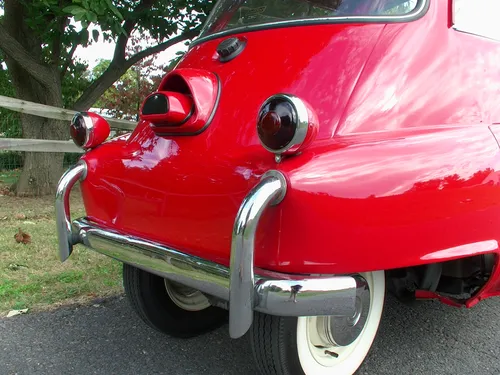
{"x": 230, "y": 14}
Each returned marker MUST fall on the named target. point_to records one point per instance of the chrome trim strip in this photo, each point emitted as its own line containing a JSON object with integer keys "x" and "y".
{"x": 161, "y": 260}
{"x": 419, "y": 11}
{"x": 459, "y": 29}
{"x": 241, "y": 295}
{"x": 63, "y": 215}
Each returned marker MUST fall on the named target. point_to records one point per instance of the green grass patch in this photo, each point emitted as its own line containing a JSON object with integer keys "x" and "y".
{"x": 9, "y": 177}
{"x": 31, "y": 275}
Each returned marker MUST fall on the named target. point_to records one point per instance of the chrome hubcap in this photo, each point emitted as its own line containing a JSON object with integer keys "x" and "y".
{"x": 334, "y": 346}
{"x": 185, "y": 297}
{"x": 335, "y": 331}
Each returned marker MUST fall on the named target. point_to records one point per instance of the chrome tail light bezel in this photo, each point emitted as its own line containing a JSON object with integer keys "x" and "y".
{"x": 303, "y": 123}
{"x": 97, "y": 129}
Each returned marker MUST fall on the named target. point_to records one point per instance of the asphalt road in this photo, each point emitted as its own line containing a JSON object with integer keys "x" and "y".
{"x": 108, "y": 339}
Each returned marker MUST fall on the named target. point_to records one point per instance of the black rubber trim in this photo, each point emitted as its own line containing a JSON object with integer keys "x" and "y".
{"x": 210, "y": 118}
{"x": 304, "y": 22}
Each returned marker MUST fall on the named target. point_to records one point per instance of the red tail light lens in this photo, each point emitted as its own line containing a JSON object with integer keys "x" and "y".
{"x": 78, "y": 130}
{"x": 283, "y": 124}
{"x": 88, "y": 130}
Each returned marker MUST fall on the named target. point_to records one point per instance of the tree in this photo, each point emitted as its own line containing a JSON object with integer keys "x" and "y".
{"x": 39, "y": 39}
{"x": 124, "y": 98}
{"x": 10, "y": 126}
{"x": 9, "y": 120}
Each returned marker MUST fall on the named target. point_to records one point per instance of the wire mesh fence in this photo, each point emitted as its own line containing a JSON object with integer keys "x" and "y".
{"x": 13, "y": 147}
{"x": 11, "y": 164}
{"x": 11, "y": 160}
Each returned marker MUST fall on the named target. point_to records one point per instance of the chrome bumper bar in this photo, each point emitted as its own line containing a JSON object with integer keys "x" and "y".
{"x": 244, "y": 286}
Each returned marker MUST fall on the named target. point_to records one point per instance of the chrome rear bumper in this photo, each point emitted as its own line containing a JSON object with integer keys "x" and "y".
{"x": 244, "y": 286}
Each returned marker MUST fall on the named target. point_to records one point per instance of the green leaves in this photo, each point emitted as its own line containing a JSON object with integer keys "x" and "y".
{"x": 91, "y": 16}
{"x": 75, "y": 81}
{"x": 158, "y": 18}
{"x": 114, "y": 9}
{"x": 75, "y": 10}
{"x": 57, "y": 27}
{"x": 94, "y": 11}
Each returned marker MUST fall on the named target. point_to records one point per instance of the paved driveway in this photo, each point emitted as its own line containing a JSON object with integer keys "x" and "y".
{"x": 108, "y": 339}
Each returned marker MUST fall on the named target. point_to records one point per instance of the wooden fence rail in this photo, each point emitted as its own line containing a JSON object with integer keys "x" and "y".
{"x": 46, "y": 111}
{"x": 38, "y": 145}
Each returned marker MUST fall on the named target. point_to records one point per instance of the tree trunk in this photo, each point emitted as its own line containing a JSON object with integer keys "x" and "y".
{"x": 37, "y": 82}
{"x": 41, "y": 171}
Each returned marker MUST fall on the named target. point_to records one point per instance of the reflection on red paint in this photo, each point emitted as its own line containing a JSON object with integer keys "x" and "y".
{"x": 403, "y": 169}
{"x": 462, "y": 251}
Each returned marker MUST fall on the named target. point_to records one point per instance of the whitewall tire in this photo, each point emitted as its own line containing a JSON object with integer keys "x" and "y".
{"x": 310, "y": 345}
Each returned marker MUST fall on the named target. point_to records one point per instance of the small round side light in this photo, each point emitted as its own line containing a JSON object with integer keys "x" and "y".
{"x": 88, "y": 130}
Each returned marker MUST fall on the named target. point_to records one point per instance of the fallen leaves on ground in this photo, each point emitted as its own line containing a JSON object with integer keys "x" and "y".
{"x": 16, "y": 312}
{"x": 22, "y": 237}
{"x": 15, "y": 267}
{"x": 20, "y": 216}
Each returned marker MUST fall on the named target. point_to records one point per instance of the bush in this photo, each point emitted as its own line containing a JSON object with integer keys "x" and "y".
{"x": 10, "y": 124}
{"x": 10, "y": 160}
{"x": 70, "y": 159}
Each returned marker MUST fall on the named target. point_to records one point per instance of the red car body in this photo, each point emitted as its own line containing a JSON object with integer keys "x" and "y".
{"x": 403, "y": 170}
{"x": 303, "y": 158}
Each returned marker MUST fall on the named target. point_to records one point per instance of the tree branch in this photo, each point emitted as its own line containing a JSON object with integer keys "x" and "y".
{"x": 128, "y": 26}
{"x": 162, "y": 46}
{"x": 117, "y": 69}
{"x": 13, "y": 49}
{"x": 69, "y": 59}
{"x": 56, "y": 46}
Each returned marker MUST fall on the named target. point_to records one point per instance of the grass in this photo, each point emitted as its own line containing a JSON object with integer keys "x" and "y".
{"x": 9, "y": 177}
{"x": 31, "y": 275}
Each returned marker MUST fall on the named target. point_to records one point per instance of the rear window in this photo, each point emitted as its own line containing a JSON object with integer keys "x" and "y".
{"x": 229, "y": 14}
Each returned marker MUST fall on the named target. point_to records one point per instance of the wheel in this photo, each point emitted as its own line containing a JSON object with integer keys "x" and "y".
{"x": 169, "y": 307}
{"x": 319, "y": 345}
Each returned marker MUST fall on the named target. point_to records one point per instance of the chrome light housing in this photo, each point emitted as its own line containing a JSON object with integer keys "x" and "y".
{"x": 89, "y": 130}
{"x": 285, "y": 124}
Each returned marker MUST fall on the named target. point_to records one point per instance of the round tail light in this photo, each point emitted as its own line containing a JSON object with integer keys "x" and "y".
{"x": 285, "y": 124}
{"x": 88, "y": 130}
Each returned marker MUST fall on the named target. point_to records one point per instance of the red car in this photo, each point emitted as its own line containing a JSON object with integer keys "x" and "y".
{"x": 303, "y": 158}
